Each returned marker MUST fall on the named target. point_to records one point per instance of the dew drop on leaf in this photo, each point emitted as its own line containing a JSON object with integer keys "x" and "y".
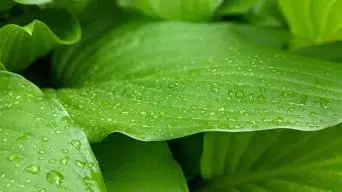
{"x": 55, "y": 177}
{"x": 76, "y": 143}
{"x": 34, "y": 169}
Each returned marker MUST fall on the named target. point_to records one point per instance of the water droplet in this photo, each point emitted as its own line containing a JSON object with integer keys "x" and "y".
{"x": 65, "y": 160}
{"x": 314, "y": 114}
{"x": 143, "y": 113}
{"x": 81, "y": 163}
{"x": 55, "y": 177}
{"x": 76, "y": 143}
{"x": 221, "y": 109}
{"x": 28, "y": 181}
{"x": 45, "y": 139}
{"x": 239, "y": 94}
{"x": 13, "y": 157}
{"x": 278, "y": 121}
{"x": 34, "y": 169}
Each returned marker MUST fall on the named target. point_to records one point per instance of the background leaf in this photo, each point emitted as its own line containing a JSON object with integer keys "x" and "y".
{"x": 185, "y": 10}
{"x": 273, "y": 160}
{"x": 6, "y": 4}
{"x": 206, "y": 78}
{"x": 20, "y": 45}
{"x": 313, "y": 21}
{"x": 40, "y": 147}
{"x": 235, "y": 7}
{"x": 130, "y": 165}
{"x": 326, "y": 51}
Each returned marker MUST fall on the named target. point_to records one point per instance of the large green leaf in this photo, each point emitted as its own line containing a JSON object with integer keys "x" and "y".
{"x": 163, "y": 80}
{"x": 185, "y": 10}
{"x": 40, "y": 147}
{"x": 273, "y": 160}
{"x": 20, "y": 44}
{"x": 313, "y": 21}
{"x": 132, "y": 165}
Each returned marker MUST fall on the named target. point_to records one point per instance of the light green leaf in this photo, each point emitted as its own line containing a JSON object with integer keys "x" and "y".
{"x": 132, "y": 165}
{"x": 273, "y": 160}
{"x": 267, "y": 13}
{"x": 162, "y": 80}
{"x": 33, "y": 2}
{"x": 313, "y": 21}
{"x": 236, "y": 7}
{"x": 40, "y": 147}
{"x": 2, "y": 67}
{"x": 185, "y": 10}
{"x": 20, "y": 45}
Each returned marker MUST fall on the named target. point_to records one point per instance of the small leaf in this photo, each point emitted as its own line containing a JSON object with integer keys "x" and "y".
{"x": 132, "y": 165}
{"x": 21, "y": 45}
{"x": 185, "y": 10}
{"x": 313, "y": 21}
{"x": 162, "y": 80}
{"x": 273, "y": 160}
{"x": 39, "y": 144}
{"x": 2, "y": 67}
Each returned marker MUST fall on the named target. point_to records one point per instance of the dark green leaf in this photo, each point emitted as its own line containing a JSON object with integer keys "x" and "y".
{"x": 6, "y": 4}
{"x": 187, "y": 151}
{"x": 185, "y": 10}
{"x": 313, "y": 21}
{"x": 273, "y": 160}
{"x": 327, "y": 51}
{"x": 40, "y": 147}
{"x": 162, "y": 80}
{"x": 20, "y": 45}
{"x": 132, "y": 165}
{"x": 236, "y": 7}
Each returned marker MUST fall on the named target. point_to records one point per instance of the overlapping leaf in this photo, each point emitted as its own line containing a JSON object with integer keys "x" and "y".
{"x": 40, "y": 147}
{"x": 273, "y": 160}
{"x": 313, "y": 21}
{"x": 235, "y": 7}
{"x": 185, "y": 10}
{"x": 163, "y": 80}
{"x": 21, "y": 44}
{"x": 131, "y": 165}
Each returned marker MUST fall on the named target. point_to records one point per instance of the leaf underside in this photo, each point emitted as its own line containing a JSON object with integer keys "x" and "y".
{"x": 273, "y": 160}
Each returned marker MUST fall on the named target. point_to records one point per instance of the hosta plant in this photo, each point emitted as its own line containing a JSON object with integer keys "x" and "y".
{"x": 158, "y": 95}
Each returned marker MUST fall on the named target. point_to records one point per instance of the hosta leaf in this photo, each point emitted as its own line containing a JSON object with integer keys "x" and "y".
{"x": 318, "y": 21}
{"x": 235, "y": 7}
{"x": 327, "y": 51}
{"x": 6, "y": 4}
{"x": 132, "y": 165}
{"x": 163, "y": 80}
{"x": 40, "y": 147}
{"x": 187, "y": 151}
{"x": 20, "y": 45}
{"x": 274, "y": 160}
{"x": 185, "y": 10}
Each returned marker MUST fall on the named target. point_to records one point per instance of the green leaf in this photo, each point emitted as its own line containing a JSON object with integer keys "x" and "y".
{"x": 267, "y": 13}
{"x": 33, "y": 2}
{"x": 2, "y": 67}
{"x": 163, "y": 80}
{"x": 40, "y": 147}
{"x": 273, "y": 160}
{"x": 132, "y": 165}
{"x": 327, "y": 51}
{"x": 313, "y": 21}
{"x": 187, "y": 151}
{"x": 6, "y": 4}
{"x": 20, "y": 45}
{"x": 236, "y": 7}
{"x": 185, "y": 10}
